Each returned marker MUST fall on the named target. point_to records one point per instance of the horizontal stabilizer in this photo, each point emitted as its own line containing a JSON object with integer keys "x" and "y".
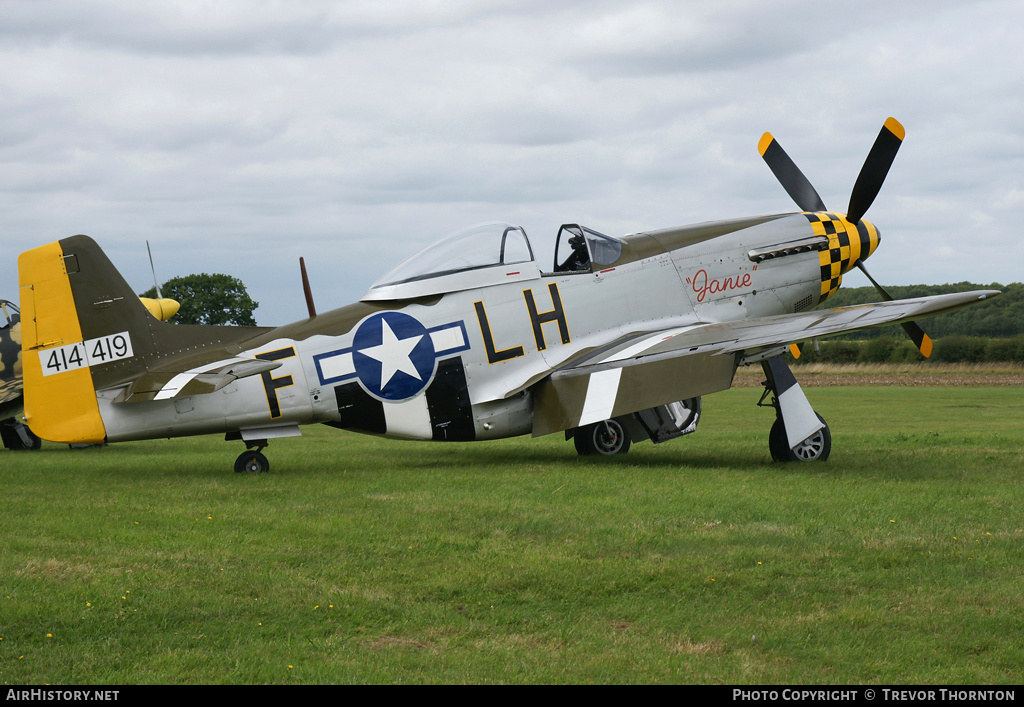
{"x": 161, "y": 385}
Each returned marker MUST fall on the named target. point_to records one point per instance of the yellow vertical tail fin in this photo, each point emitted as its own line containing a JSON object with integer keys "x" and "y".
{"x": 60, "y": 400}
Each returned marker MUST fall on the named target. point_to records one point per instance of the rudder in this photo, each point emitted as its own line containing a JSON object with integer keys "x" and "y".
{"x": 82, "y": 329}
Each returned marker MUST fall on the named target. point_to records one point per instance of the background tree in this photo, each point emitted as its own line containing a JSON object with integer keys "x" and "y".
{"x": 208, "y": 299}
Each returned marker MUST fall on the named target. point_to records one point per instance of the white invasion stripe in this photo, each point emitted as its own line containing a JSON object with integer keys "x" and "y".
{"x": 409, "y": 419}
{"x": 447, "y": 339}
{"x": 179, "y": 381}
{"x": 643, "y": 345}
{"x": 337, "y": 366}
{"x": 601, "y": 392}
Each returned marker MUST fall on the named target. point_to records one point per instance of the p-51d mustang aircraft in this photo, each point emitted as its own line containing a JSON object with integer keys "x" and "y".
{"x": 470, "y": 339}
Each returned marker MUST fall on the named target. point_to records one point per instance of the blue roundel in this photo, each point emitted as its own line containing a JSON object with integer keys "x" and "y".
{"x": 393, "y": 355}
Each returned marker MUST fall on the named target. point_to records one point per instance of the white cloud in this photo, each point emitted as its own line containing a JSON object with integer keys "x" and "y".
{"x": 236, "y": 136}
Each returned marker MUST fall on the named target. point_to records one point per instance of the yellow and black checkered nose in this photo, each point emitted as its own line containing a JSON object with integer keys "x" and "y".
{"x": 848, "y": 243}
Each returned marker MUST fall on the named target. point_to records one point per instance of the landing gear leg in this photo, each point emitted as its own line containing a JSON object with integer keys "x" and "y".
{"x": 252, "y": 460}
{"x": 799, "y": 433}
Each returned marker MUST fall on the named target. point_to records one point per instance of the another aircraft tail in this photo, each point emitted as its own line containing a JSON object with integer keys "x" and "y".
{"x": 83, "y": 330}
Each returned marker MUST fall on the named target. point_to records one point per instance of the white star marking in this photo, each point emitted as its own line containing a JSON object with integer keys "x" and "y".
{"x": 393, "y": 354}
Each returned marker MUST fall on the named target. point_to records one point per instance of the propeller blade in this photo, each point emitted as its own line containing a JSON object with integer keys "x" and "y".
{"x": 789, "y": 175}
{"x": 153, "y": 268}
{"x": 875, "y": 168}
{"x": 306, "y": 289}
{"x": 921, "y": 340}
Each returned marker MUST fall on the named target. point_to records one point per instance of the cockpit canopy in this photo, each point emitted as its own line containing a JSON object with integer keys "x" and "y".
{"x": 581, "y": 249}
{"x": 478, "y": 256}
{"x": 9, "y": 313}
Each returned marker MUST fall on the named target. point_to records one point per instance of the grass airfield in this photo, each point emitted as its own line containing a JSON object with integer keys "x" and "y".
{"x": 361, "y": 560}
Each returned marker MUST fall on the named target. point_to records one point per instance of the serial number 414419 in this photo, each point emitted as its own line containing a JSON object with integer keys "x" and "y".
{"x": 104, "y": 349}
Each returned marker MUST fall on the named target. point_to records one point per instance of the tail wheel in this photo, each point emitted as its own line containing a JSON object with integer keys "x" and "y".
{"x": 605, "y": 438}
{"x": 252, "y": 462}
{"x": 817, "y": 447}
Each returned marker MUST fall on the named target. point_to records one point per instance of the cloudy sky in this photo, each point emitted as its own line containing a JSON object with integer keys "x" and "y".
{"x": 238, "y": 135}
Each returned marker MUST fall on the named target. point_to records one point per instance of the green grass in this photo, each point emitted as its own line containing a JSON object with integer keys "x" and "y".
{"x": 359, "y": 560}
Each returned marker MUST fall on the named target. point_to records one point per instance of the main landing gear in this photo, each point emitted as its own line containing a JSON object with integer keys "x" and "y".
{"x": 658, "y": 424}
{"x": 606, "y": 438}
{"x": 815, "y": 448}
{"x": 798, "y": 433}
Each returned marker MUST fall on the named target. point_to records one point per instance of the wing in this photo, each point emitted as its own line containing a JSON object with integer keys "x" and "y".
{"x": 656, "y": 368}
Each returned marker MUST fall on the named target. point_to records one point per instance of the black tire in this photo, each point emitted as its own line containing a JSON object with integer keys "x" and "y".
{"x": 605, "y": 438}
{"x": 252, "y": 462}
{"x": 815, "y": 448}
{"x": 778, "y": 444}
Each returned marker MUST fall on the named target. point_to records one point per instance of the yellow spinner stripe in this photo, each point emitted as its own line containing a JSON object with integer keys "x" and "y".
{"x": 872, "y": 238}
{"x": 855, "y": 244}
{"x": 60, "y": 407}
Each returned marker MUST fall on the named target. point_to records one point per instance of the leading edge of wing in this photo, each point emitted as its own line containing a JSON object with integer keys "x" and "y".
{"x": 752, "y": 336}
{"x": 829, "y": 322}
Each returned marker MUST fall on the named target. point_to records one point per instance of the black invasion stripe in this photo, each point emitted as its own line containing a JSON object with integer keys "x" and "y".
{"x": 451, "y": 412}
{"x": 359, "y": 410}
{"x": 782, "y": 378}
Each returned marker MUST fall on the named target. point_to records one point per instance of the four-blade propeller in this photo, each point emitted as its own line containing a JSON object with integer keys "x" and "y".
{"x": 865, "y": 189}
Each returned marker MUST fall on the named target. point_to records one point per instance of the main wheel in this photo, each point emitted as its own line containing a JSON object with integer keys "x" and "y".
{"x": 252, "y": 462}
{"x": 605, "y": 438}
{"x": 815, "y": 448}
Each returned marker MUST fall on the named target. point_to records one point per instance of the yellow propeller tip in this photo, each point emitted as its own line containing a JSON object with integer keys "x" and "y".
{"x": 766, "y": 141}
{"x": 926, "y": 346}
{"x": 896, "y": 128}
